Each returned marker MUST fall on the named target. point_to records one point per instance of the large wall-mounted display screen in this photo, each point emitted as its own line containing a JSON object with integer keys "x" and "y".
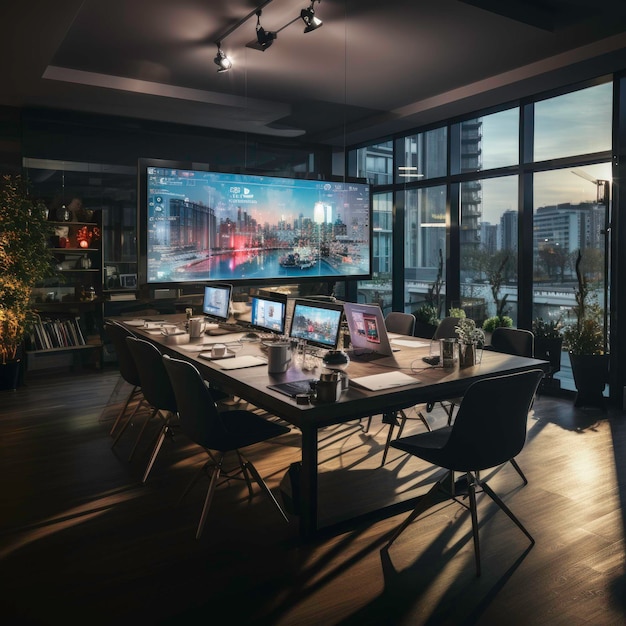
{"x": 202, "y": 226}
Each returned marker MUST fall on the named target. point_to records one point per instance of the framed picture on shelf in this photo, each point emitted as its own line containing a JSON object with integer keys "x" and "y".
{"x": 128, "y": 281}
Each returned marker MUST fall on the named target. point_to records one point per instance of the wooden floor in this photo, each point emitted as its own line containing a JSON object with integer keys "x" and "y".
{"x": 82, "y": 541}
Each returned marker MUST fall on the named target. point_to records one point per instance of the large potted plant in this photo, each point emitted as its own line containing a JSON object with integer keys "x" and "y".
{"x": 549, "y": 343}
{"x": 24, "y": 260}
{"x": 584, "y": 340}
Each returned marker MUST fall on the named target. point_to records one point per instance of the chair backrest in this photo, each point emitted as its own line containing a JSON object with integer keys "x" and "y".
{"x": 401, "y": 323}
{"x": 446, "y": 328}
{"x": 125, "y": 360}
{"x": 515, "y": 341}
{"x": 155, "y": 383}
{"x": 490, "y": 425}
{"x": 199, "y": 418}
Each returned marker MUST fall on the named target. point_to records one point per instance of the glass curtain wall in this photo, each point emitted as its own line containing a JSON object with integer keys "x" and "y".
{"x": 488, "y": 248}
{"x": 422, "y": 157}
{"x": 378, "y": 290}
{"x": 375, "y": 164}
{"x": 425, "y": 252}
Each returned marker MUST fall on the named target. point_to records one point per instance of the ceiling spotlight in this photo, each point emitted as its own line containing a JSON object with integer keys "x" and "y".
{"x": 221, "y": 60}
{"x": 308, "y": 17}
{"x": 264, "y": 37}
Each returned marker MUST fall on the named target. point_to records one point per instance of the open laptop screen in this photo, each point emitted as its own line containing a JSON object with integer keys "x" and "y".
{"x": 216, "y": 303}
{"x": 268, "y": 313}
{"x": 318, "y": 323}
{"x": 368, "y": 332}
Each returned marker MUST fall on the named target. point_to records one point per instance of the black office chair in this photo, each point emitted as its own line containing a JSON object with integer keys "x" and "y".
{"x": 400, "y": 323}
{"x": 515, "y": 341}
{"x": 215, "y": 431}
{"x": 128, "y": 371}
{"x": 157, "y": 391}
{"x": 489, "y": 430}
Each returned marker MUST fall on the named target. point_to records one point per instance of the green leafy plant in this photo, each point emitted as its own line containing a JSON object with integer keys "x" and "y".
{"x": 427, "y": 313}
{"x": 586, "y": 334}
{"x": 491, "y": 323}
{"x": 468, "y": 332}
{"x": 24, "y": 260}
{"x": 548, "y": 329}
{"x": 455, "y": 312}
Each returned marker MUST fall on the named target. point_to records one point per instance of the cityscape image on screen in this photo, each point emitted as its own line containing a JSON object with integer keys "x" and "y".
{"x": 318, "y": 324}
{"x": 205, "y": 225}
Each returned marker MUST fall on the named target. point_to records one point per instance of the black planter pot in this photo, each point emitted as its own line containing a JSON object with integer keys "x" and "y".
{"x": 424, "y": 330}
{"x": 10, "y": 375}
{"x": 591, "y": 373}
{"x": 549, "y": 350}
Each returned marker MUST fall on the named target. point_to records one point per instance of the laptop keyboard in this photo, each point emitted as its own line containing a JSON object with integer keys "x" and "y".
{"x": 365, "y": 356}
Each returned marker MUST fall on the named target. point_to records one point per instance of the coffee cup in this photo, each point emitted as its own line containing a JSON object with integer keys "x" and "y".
{"x": 197, "y": 326}
{"x": 218, "y": 350}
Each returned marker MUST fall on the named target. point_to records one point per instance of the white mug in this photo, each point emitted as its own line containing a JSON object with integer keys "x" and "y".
{"x": 278, "y": 357}
{"x": 218, "y": 350}
{"x": 197, "y": 326}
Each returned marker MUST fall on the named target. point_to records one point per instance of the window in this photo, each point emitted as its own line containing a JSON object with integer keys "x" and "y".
{"x": 488, "y": 241}
{"x": 378, "y": 290}
{"x": 575, "y": 123}
{"x": 425, "y": 248}
{"x": 422, "y": 156}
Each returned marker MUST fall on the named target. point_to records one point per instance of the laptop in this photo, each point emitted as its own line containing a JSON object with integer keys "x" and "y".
{"x": 368, "y": 333}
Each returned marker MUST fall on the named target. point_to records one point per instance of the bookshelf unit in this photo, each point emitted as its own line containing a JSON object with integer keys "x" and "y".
{"x": 69, "y": 304}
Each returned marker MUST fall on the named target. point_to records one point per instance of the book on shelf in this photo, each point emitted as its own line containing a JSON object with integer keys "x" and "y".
{"x": 47, "y": 334}
{"x": 119, "y": 296}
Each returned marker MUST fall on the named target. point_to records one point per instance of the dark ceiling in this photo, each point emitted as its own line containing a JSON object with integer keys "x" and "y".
{"x": 374, "y": 68}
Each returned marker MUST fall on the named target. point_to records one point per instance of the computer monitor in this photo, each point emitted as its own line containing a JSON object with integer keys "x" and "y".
{"x": 216, "y": 303}
{"x": 318, "y": 323}
{"x": 268, "y": 313}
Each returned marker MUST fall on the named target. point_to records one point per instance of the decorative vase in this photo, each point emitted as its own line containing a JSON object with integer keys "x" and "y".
{"x": 467, "y": 354}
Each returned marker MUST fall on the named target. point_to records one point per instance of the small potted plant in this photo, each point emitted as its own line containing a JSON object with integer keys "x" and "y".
{"x": 456, "y": 312}
{"x": 470, "y": 339}
{"x": 426, "y": 320}
{"x": 584, "y": 340}
{"x": 549, "y": 343}
{"x": 496, "y": 321}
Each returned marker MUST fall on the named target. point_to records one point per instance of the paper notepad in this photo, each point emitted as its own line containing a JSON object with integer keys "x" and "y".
{"x": 388, "y": 380}
{"x": 410, "y": 343}
{"x": 241, "y": 361}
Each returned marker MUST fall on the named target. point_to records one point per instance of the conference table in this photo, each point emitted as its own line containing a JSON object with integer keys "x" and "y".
{"x": 430, "y": 384}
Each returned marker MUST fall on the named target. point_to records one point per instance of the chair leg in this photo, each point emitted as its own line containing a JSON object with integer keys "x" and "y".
{"x": 127, "y": 423}
{"x": 519, "y": 471}
{"x": 114, "y": 392}
{"x": 244, "y": 471}
{"x": 209, "y": 495}
{"x": 265, "y": 488}
{"x": 471, "y": 488}
{"x": 194, "y": 480}
{"x": 490, "y": 492}
{"x": 155, "y": 451}
{"x": 425, "y": 502}
{"x": 369, "y": 423}
{"x": 387, "y": 444}
{"x": 140, "y": 435}
{"x": 121, "y": 414}
{"x": 402, "y": 423}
